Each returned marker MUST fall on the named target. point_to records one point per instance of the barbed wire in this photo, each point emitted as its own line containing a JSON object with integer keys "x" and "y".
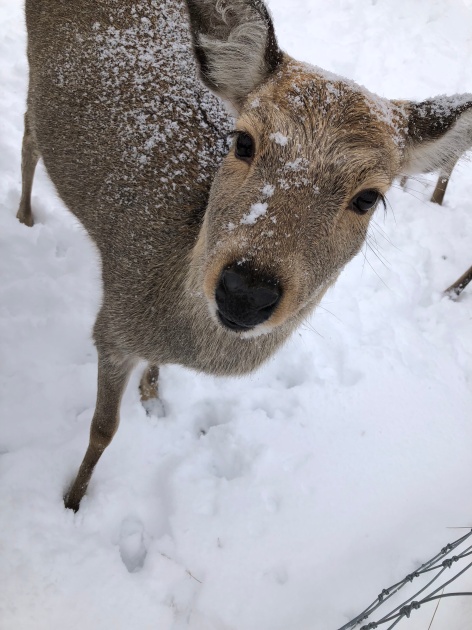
{"x": 440, "y": 563}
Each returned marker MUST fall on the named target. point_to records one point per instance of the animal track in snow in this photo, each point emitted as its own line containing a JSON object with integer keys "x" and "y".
{"x": 154, "y": 408}
{"x": 132, "y": 544}
{"x": 231, "y": 457}
{"x": 278, "y": 575}
{"x": 350, "y": 377}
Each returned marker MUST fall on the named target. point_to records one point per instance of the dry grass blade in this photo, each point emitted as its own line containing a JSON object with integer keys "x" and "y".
{"x": 435, "y": 611}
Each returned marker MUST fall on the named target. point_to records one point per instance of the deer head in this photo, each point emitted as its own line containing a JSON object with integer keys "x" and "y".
{"x": 313, "y": 156}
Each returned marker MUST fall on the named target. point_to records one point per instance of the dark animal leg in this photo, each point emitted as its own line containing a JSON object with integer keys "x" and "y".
{"x": 113, "y": 374}
{"x": 456, "y": 289}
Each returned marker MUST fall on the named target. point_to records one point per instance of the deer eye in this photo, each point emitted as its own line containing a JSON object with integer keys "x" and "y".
{"x": 244, "y": 149}
{"x": 364, "y": 201}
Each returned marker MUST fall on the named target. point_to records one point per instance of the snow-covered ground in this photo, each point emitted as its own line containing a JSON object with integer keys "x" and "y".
{"x": 282, "y": 501}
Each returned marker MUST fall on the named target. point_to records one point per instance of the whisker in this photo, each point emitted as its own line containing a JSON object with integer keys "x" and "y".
{"x": 311, "y": 328}
{"x": 420, "y": 178}
{"x": 423, "y": 184}
{"x": 330, "y": 312}
{"x": 366, "y": 260}
{"x": 382, "y": 260}
{"x": 378, "y": 255}
{"x": 382, "y": 233}
{"x": 409, "y": 192}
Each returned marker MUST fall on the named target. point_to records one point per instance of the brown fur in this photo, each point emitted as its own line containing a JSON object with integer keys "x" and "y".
{"x": 135, "y": 146}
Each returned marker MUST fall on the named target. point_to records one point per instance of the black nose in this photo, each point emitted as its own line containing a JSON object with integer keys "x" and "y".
{"x": 245, "y": 298}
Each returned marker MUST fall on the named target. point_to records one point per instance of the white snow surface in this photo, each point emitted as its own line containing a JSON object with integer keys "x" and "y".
{"x": 282, "y": 501}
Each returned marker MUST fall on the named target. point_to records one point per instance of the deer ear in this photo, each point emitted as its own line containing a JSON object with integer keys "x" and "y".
{"x": 438, "y": 132}
{"x": 234, "y": 44}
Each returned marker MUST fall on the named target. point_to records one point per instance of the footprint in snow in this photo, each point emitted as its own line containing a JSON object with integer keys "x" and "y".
{"x": 132, "y": 545}
{"x": 154, "y": 408}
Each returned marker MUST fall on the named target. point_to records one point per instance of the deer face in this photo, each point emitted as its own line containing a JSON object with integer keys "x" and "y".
{"x": 312, "y": 158}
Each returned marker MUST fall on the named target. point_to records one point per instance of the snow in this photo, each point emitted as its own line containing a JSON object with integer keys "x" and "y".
{"x": 284, "y": 500}
{"x": 139, "y": 131}
{"x": 257, "y": 211}
{"x": 268, "y": 190}
{"x": 279, "y": 138}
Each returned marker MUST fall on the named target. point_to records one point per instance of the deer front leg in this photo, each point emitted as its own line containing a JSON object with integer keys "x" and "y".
{"x": 113, "y": 374}
{"x": 29, "y": 159}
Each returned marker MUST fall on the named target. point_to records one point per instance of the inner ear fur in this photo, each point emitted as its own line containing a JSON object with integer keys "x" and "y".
{"x": 438, "y": 132}
{"x": 234, "y": 44}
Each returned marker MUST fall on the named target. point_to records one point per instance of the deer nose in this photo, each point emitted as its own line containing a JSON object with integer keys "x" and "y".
{"x": 245, "y": 300}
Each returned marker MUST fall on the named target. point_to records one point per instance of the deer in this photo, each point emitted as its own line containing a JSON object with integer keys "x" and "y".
{"x": 224, "y": 184}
